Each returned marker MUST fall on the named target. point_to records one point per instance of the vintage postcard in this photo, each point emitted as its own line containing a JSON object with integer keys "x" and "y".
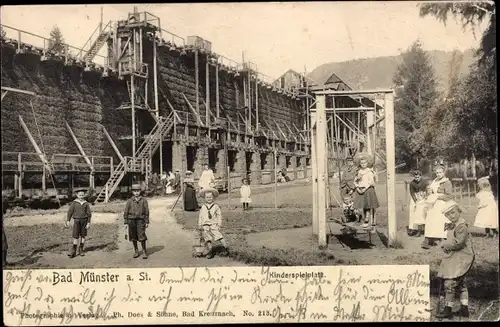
{"x": 226, "y": 163}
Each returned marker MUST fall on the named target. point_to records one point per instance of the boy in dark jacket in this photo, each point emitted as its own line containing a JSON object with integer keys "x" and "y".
{"x": 81, "y": 213}
{"x": 136, "y": 216}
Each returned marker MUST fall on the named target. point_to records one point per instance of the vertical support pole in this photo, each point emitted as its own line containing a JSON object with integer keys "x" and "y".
{"x": 196, "y": 80}
{"x": 275, "y": 179}
{"x": 228, "y": 171}
{"x": 314, "y": 163}
{"x": 132, "y": 104}
{"x": 391, "y": 165}
{"x": 217, "y": 100}
{"x": 320, "y": 153}
{"x": 157, "y": 109}
{"x": 44, "y": 178}
{"x": 207, "y": 85}
{"x": 100, "y": 23}
{"x": 256, "y": 104}
{"x": 369, "y": 138}
{"x": 20, "y": 180}
{"x": 92, "y": 177}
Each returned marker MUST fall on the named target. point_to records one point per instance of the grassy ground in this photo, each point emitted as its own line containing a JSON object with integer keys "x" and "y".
{"x": 295, "y": 212}
{"x": 26, "y": 242}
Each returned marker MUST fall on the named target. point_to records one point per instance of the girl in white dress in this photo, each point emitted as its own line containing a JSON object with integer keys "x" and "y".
{"x": 435, "y": 221}
{"x": 207, "y": 178}
{"x": 487, "y": 214}
{"x": 245, "y": 194}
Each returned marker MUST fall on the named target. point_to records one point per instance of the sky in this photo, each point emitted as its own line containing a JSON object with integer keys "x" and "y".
{"x": 274, "y": 36}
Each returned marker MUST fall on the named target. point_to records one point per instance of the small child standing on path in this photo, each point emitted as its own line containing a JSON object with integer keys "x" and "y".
{"x": 487, "y": 214}
{"x": 210, "y": 221}
{"x": 136, "y": 216}
{"x": 245, "y": 194}
{"x": 80, "y": 212}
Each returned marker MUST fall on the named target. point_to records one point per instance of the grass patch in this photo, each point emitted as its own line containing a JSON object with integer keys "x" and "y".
{"x": 26, "y": 241}
{"x": 238, "y": 222}
{"x": 112, "y": 207}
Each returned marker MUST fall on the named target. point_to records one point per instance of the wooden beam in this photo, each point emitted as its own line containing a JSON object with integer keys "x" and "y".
{"x": 41, "y": 155}
{"x": 298, "y": 131}
{"x": 321, "y": 166}
{"x": 348, "y": 109}
{"x": 174, "y": 111}
{"x": 11, "y": 89}
{"x": 391, "y": 166}
{"x": 193, "y": 110}
{"x": 281, "y": 131}
{"x": 210, "y": 111}
{"x": 79, "y": 146}
{"x": 113, "y": 145}
{"x": 271, "y": 129}
{"x": 291, "y": 132}
{"x": 352, "y": 92}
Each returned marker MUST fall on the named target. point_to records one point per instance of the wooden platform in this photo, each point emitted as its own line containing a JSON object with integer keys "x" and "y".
{"x": 336, "y": 227}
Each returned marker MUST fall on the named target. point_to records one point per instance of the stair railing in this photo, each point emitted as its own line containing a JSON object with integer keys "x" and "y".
{"x": 89, "y": 40}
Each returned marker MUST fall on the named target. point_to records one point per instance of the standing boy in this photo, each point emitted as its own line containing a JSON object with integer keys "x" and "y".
{"x": 81, "y": 213}
{"x": 457, "y": 260}
{"x": 136, "y": 216}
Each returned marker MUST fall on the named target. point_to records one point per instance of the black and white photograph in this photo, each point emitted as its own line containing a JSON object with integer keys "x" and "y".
{"x": 284, "y": 134}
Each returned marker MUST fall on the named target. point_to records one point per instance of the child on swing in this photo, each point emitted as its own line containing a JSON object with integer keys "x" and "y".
{"x": 366, "y": 199}
{"x": 210, "y": 221}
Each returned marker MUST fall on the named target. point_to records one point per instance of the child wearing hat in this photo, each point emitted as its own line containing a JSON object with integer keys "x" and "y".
{"x": 79, "y": 210}
{"x": 136, "y": 216}
{"x": 245, "y": 194}
{"x": 210, "y": 221}
{"x": 457, "y": 261}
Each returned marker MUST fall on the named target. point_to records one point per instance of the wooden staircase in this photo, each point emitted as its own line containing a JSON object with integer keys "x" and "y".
{"x": 142, "y": 154}
{"x": 103, "y": 34}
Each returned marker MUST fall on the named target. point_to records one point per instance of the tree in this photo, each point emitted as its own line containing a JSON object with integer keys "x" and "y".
{"x": 470, "y": 113}
{"x": 56, "y": 41}
{"x": 471, "y": 14}
{"x": 416, "y": 94}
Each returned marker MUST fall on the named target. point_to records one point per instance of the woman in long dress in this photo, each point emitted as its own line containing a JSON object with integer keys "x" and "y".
{"x": 435, "y": 221}
{"x": 416, "y": 223}
{"x": 190, "y": 201}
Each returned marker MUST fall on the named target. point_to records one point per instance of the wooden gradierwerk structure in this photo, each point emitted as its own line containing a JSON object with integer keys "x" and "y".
{"x": 155, "y": 102}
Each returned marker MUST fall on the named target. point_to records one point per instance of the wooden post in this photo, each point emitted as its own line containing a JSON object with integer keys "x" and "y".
{"x": 44, "y": 177}
{"x": 275, "y": 179}
{"x": 320, "y": 153}
{"x": 20, "y": 180}
{"x": 314, "y": 173}
{"x": 217, "y": 103}
{"x": 256, "y": 104}
{"x": 228, "y": 187}
{"x": 391, "y": 166}
{"x": 157, "y": 110}
{"x": 196, "y": 81}
{"x": 132, "y": 100}
{"x": 207, "y": 93}
{"x": 91, "y": 177}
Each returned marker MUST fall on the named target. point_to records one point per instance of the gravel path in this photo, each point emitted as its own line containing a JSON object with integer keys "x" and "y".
{"x": 169, "y": 245}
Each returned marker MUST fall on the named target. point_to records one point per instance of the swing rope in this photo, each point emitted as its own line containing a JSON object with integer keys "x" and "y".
{"x": 43, "y": 152}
